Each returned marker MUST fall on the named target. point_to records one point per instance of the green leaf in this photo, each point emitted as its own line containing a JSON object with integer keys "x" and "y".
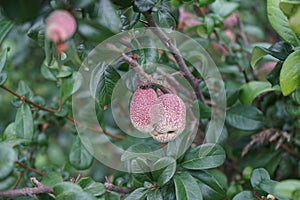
{"x": 5, "y": 27}
{"x": 75, "y": 196}
{"x": 163, "y": 170}
{"x": 64, "y": 71}
{"x": 141, "y": 150}
{"x": 47, "y": 73}
{"x": 138, "y": 194}
{"x": 287, "y": 188}
{"x": 289, "y": 8}
{"x": 205, "y": 2}
{"x": 90, "y": 186}
{"x": 93, "y": 31}
{"x": 279, "y": 50}
{"x": 70, "y": 85}
{"x": 260, "y": 181}
{"x": 9, "y": 181}
{"x": 52, "y": 178}
{"x": 249, "y": 91}
{"x": 224, "y": 8}
{"x": 7, "y": 160}
{"x": 186, "y": 187}
{"x": 273, "y": 76}
{"x": 143, "y": 5}
{"x": 296, "y": 96}
{"x": 154, "y": 195}
{"x": 106, "y": 79}
{"x": 205, "y": 156}
{"x": 3, "y": 58}
{"x": 79, "y": 156}
{"x": 212, "y": 184}
{"x": 280, "y": 22}
{"x": 66, "y": 187}
{"x": 290, "y": 73}
{"x": 3, "y": 77}
{"x": 244, "y": 195}
{"x": 108, "y": 17}
{"x": 245, "y": 117}
{"x": 24, "y": 122}
{"x": 129, "y": 18}
{"x": 24, "y": 90}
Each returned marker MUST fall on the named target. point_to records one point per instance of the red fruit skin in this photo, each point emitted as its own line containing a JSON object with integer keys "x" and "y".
{"x": 168, "y": 118}
{"x": 60, "y": 25}
{"x": 142, "y": 101}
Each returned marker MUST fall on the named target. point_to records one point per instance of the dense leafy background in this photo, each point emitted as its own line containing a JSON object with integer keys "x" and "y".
{"x": 256, "y": 48}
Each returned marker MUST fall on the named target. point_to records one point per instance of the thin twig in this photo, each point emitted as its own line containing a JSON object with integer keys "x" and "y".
{"x": 146, "y": 79}
{"x": 38, "y": 189}
{"x": 30, "y": 168}
{"x": 290, "y": 151}
{"x": 177, "y": 55}
{"x": 23, "y": 99}
{"x": 113, "y": 188}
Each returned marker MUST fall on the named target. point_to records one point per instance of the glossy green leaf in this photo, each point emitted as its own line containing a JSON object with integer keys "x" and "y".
{"x": 9, "y": 181}
{"x": 66, "y": 187}
{"x": 3, "y": 58}
{"x": 138, "y": 194}
{"x": 106, "y": 79}
{"x": 290, "y": 73}
{"x": 52, "y": 178}
{"x": 288, "y": 7}
{"x": 205, "y": 2}
{"x": 93, "y": 31}
{"x": 186, "y": 187}
{"x": 5, "y": 27}
{"x": 70, "y": 85}
{"x": 64, "y": 71}
{"x": 251, "y": 90}
{"x": 212, "y": 184}
{"x": 148, "y": 151}
{"x": 143, "y": 5}
{"x": 129, "y": 18}
{"x": 296, "y": 96}
{"x": 205, "y": 156}
{"x": 24, "y": 90}
{"x": 287, "y": 188}
{"x": 273, "y": 76}
{"x": 244, "y": 195}
{"x": 79, "y": 156}
{"x": 280, "y": 22}
{"x": 90, "y": 186}
{"x": 3, "y": 77}
{"x": 279, "y": 50}
{"x": 163, "y": 170}
{"x": 76, "y": 196}
{"x": 245, "y": 117}
{"x": 224, "y": 8}
{"x": 108, "y": 16}
{"x": 260, "y": 181}
{"x": 7, "y": 160}
{"x": 154, "y": 195}
{"x": 24, "y": 122}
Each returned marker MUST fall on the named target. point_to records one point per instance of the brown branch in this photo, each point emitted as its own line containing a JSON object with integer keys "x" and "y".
{"x": 143, "y": 76}
{"x": 38, "y": 189}
{"x": 178, "y": 57}
{"x": 30, "y": 168}
{"x": 23, "y": 99}
{"x": 113, "y": 188}
{"x": 290, "y": 151}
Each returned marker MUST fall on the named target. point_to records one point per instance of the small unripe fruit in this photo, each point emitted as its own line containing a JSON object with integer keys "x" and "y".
{"x": 60, "y": 26}
{"x": 142, "y": 101}
{"x": 168, "y": 118}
